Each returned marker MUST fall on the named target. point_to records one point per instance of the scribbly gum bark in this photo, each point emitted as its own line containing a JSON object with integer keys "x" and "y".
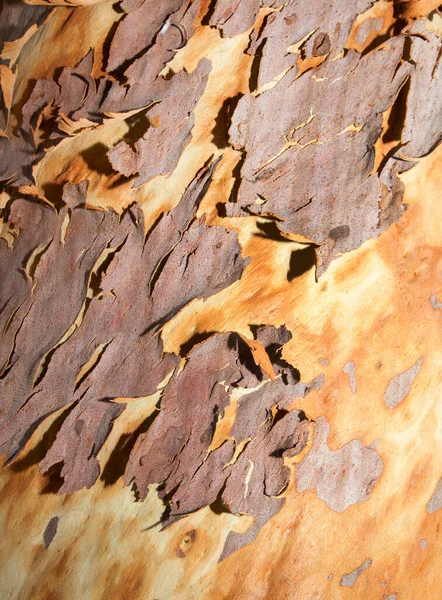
{"x": 220, "y": 257}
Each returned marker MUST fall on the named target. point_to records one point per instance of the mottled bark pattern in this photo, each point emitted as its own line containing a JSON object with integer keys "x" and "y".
{"x": 139, "y": 173}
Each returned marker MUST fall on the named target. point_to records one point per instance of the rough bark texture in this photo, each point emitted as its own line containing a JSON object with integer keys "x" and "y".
{"x": 219, "y": 301}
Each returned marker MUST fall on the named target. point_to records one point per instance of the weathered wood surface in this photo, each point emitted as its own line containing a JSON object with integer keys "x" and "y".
{"x": 220, "y": 299}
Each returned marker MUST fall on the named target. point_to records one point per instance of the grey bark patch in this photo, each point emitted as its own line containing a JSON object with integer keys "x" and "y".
{"x": 323, "y": 361}
{"x": 435, "y": 502}
{"x": 435, "y": 303}
{"x": 50, "y": 532}
{"x": 390, "y": 597}
{"x": 317, "y": 382}
{"x": 400, "y": 386}
{"x": 350, "y": 579}
{"x": 340, "y": 477}
{"x": 302, "y": 389}
{"x": 350, "y": 370}
{"x": 423, "y": 544}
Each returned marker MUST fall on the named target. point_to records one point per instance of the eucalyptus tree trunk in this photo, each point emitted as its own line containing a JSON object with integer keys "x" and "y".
{"x": 220, "y": 299}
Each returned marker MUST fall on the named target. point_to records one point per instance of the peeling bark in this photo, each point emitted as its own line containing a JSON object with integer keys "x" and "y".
{"x": 218, "y": 262}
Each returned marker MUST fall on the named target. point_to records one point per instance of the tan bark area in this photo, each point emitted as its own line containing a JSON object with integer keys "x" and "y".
{"x": 374, "y": 314}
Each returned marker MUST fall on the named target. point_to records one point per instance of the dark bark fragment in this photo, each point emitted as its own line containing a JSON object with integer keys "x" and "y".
{"x": 81, "y": 436}
{"x": 312, "y": 165}
{"x": 301, "y": 31}
{"x": 168, "y": 103}
{"x": 174, "y": 452}
{"x": 44, "y": 93}
{"x": 16, "y": 19}
{"x": 17, "y": 155}
{"x": 423, "y": 124}
{"x": 76, "y": 84}
{"x": 259, "y": 475}
{"x": 123, "y": 159}
{"x": 137, "y": 31}
{"x": 175, "y": 446}
{"x": 88, "y": 335}
{"x": 234, "y": 16}
{"x": 159, "y": 150}
{"x": 15, "y": 291}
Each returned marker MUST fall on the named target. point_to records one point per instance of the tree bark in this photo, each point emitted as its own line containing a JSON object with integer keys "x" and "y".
{"x": 220, "y": 299}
